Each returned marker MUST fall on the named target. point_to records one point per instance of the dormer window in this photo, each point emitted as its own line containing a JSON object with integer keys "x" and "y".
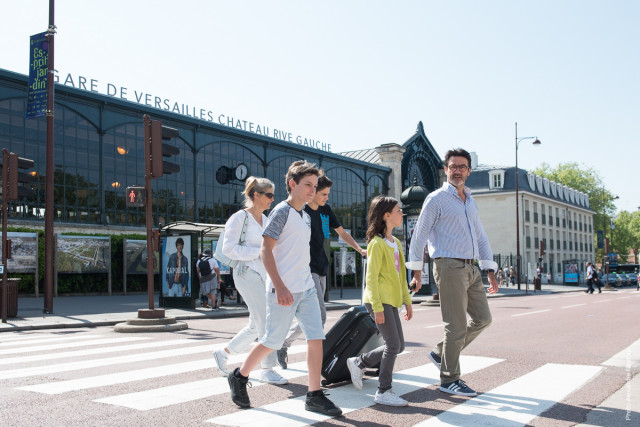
{"x": 496, "y": 179}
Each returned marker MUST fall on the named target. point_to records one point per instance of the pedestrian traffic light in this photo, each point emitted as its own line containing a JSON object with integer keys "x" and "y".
{"x": 17, "y": 180}
{"x": 159, "y": 150}
{"x": 135, "y": 197}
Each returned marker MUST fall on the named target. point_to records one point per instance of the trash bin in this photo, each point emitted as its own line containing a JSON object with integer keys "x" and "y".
{"x": 12, "y": 296}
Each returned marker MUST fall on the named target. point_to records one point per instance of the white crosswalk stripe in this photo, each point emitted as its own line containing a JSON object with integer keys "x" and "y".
{"x": 49, "y": 347}
{"x": 347, "y": 396}
{"x": 59, "y": 387}
{"x": 519, "y": 401}
{"x": 40, "y": 338}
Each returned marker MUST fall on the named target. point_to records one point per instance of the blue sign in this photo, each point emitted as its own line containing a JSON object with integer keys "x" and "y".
{"x": 38, "y": 68}
{"x": 613, "y": 259}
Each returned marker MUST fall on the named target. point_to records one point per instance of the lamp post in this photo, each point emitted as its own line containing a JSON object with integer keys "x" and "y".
{"x": 535, "y": 142}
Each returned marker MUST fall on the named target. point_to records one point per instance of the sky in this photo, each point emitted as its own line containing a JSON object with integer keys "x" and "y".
{"x": 357, "y": 74}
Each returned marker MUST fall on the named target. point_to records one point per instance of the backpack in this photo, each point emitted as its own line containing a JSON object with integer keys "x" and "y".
{"x": 205, "y": 267}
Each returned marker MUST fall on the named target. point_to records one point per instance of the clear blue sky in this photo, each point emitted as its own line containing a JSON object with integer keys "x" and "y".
{"x": 358, "y": 74}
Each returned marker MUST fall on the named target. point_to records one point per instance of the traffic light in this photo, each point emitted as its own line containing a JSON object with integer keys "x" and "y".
{"x": 158, "y": 134}
{"x": 16, "y": 179}
{"x": 135, "y": 197}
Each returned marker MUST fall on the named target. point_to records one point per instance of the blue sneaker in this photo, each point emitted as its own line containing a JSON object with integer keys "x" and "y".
{"x": 435, "y": 359}
{"x": 457, "y": 387}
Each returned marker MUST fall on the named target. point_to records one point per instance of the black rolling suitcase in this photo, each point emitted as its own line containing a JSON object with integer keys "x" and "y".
{"x": 354, "y": 333}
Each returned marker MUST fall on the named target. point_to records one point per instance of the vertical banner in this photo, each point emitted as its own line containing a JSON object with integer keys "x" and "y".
{"x": 38, "y": 67}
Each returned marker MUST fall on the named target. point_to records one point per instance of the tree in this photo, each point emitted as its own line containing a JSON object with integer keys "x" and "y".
{"x": 626, "y": 235}
{"x": 587, "y": 180}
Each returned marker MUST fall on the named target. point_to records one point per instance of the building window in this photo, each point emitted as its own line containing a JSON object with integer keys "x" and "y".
{"x": 527, "y": 216}
{"x": 528, "y": 242}
{"x": 535, "y": 217}
{"x": 496, "y": 179}
{"x": 544, "y": 219}
{"x": 536, "y": 242}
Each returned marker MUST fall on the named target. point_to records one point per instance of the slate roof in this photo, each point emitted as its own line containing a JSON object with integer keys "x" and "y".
{"x": 478, "y": 182}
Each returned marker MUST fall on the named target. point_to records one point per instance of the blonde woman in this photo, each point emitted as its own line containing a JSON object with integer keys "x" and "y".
{"x": 251, "y": 275}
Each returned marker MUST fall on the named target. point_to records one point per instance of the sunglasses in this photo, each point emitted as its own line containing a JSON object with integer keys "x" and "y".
{"x": 269, "y": 195}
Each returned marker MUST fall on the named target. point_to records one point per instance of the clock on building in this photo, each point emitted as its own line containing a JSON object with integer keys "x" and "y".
{"x": 242, "y": 172}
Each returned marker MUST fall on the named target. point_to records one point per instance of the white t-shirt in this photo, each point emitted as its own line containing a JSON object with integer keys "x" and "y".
{"x": 396, "y": 253}
{"x": 292, "y": 230}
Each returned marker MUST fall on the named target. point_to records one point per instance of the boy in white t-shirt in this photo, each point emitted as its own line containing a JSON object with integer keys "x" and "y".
{"x": 291, "y": 291}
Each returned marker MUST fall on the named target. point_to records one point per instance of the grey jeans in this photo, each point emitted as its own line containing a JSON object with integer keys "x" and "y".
{"x": 295, "y": 331}
{"x": 385, "y": 355}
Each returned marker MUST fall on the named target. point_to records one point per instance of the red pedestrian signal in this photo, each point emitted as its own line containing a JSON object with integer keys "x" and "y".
{"x": 135, "y": 197}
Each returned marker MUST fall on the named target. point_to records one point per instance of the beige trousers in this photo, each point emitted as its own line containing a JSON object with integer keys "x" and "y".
{"x": 461, "y": 292}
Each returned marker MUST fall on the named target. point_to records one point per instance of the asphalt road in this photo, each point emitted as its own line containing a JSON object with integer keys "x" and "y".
{"x": 545, "y": 360}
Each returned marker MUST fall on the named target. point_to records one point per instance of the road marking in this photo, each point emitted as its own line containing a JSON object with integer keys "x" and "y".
{"x": 109, "y": 361}
{"x": 70, "y": 345}
{"x": 624, "y": 297}
{"x": 575, "y": 305}
{"x": 60, "y": 387}
{"x": 39, "y": 339}
{"x": 604, "y": 300}
{"x": 433, "y": 326}
{"x": 519, "y": 401}
{"x": 291, "y": 412}
{"x": 626, "y": 358}
{"x": 531, "y": 312}
{"x": 181, "y": 393}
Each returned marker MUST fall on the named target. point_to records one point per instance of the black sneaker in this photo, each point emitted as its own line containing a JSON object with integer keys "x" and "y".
{"x": 317, "y": 402}
{"x": 238, "y": 386}
{"x": 457, "y": 387}
{"x": 282, "y": 357}
{"x": 435, "y": 359}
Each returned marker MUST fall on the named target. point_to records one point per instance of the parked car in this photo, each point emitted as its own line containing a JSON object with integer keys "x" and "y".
{"x": 611, "y": 279}
{"x": 633, "y": 279}
{"x": 625, "y": 278}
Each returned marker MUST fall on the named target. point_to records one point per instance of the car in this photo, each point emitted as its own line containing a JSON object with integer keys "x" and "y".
{"x": 633, "y": 279}
{"x": 624, "y": 277}
{"x": 611, "y": 279}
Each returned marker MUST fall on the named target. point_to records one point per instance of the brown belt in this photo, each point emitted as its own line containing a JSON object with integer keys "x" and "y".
{"x": 466, "y": 261}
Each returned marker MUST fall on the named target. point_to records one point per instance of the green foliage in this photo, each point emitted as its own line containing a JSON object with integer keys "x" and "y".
{"x": 625, "y": 238}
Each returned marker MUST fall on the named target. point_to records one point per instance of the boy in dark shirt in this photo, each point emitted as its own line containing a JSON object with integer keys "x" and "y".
{"x": 322, "y": 221}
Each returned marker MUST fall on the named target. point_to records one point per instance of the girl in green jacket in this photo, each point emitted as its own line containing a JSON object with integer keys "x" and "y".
{"x": 386, "y": 291}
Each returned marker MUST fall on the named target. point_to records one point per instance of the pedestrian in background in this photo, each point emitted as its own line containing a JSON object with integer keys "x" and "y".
{"x": 209, "y": 275}
{"x": 385, "y": 293}
{"x": 250, "y": 275}
{"x": 450, "y": 225}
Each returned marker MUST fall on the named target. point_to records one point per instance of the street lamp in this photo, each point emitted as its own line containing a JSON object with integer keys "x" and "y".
{"x": 535, "y": 142}
{"x": 605, "y": 264}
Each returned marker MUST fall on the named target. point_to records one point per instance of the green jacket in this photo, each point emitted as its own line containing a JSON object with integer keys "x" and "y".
{"x": 384, "y": 284}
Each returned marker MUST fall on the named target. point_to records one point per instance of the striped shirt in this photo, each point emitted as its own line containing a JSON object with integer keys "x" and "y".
{"x": 451, "y": 228}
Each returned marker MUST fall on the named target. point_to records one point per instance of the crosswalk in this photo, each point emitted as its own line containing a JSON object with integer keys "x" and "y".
{"x": 28, "y": 361}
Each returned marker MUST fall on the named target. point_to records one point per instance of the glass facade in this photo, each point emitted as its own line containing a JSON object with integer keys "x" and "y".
{"x": 99, "y": 152}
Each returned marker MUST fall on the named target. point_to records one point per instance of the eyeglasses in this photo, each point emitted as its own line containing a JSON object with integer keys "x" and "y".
{"x": 461, "y": 168}
{"x": 269, "y": 195}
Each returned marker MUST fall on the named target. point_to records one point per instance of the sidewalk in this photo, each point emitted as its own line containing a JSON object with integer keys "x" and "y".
{"x": 101, "y": 310}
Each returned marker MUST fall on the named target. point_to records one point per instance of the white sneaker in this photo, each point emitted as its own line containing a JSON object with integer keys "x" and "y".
{"x": 270, "y": 376}
{"x": 389, "y": 398}
{"x": 355, "y": 371}
{"x": 220, "y": 357}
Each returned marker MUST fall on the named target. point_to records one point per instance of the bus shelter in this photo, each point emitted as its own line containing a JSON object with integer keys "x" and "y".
{"x": 181, "y": 245}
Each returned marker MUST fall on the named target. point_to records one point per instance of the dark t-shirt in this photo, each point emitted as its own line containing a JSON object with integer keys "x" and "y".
{"x": 322, "y": 221}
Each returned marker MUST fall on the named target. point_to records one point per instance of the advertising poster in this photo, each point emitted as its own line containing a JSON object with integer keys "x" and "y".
{"x": 136, "y": 256}
{"x": 38, "y": 68}
{"x": 83, "y": 254}
{"x": 571, "y": 273}
{"x": 176, "y": 272}
{"x": 24, "y": 252}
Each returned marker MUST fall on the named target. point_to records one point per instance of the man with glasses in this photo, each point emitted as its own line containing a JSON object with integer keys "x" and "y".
{"x": 322, "y": 221}
{"x": 449, "y": 224}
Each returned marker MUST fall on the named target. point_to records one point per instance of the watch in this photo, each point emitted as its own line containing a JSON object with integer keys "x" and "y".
{"x": 241, "y": 172}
